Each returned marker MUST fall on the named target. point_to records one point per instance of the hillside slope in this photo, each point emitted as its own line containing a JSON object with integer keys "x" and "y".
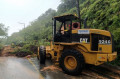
{"x": 101, "y": 14}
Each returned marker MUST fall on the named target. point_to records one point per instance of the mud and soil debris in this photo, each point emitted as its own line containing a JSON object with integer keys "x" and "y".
{"x": 51, "y": 68}
{"x": 11, "y": 51}
{"x": 7, "y": 51}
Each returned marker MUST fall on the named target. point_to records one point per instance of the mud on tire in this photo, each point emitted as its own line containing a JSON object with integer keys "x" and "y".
{"x": 78, "y": 58}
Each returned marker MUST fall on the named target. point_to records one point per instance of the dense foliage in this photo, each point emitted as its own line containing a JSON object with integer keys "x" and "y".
{"x": 101, "y": 14}
{"x": 3, "y": 30}
{"x": 3, "y": 35}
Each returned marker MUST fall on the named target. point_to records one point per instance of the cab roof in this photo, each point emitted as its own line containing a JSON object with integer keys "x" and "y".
{"x": 66, "y": 17}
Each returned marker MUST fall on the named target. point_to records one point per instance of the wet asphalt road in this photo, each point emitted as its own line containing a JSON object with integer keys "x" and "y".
{"x": 21, "y": 68}
{"x": 17, "y": 68}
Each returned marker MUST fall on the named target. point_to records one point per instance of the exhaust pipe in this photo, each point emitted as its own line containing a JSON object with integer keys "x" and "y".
{"x": 85, "y": 23}
{"x": 78, "y": 12}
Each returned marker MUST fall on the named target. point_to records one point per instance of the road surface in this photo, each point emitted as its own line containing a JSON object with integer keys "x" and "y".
{"x": 17, "y": 68}
{"x": 25, "y": 68}
{"x": 21, "y": 68}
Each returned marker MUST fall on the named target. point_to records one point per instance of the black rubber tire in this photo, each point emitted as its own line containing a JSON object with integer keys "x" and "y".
{"x": 79, "y": 58}
{"x": 42, "y": 53}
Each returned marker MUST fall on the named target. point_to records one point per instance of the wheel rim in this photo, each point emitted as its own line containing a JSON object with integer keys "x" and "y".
{"x": 70, "y": 62}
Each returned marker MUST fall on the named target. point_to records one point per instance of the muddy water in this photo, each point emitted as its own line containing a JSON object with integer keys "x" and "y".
{"x": 21, "y": 68}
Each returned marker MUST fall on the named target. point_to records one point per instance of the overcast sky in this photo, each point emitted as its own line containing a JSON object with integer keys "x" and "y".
{"x": 14, "y": 11}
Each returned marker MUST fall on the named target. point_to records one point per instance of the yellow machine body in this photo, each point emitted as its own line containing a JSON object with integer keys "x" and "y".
{"x": 104, "y": 54}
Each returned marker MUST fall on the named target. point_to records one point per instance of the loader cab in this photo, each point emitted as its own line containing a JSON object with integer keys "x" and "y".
{"x": 69, "y": 31}
{"x": 62, "y": 32}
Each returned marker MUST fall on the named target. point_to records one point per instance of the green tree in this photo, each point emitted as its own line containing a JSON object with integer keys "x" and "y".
{"x": 101, "y": 14}
{"x": 3, "y": 30}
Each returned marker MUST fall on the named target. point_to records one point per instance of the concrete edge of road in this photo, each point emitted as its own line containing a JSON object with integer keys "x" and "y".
{"x": 41, "y": 76}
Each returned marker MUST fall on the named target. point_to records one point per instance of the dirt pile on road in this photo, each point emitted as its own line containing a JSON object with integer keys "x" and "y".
{"x": 7, "y": 51}
{"x": 18, "y": 51}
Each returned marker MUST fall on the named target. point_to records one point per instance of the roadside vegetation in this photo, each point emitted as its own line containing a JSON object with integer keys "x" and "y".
{"x": 3, "y": 35}
{"x": 100, "y": 14}
{"x": 23, "y": 49}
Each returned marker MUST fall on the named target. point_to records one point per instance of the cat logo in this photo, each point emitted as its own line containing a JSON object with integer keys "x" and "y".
{"x": 83, "y": 40}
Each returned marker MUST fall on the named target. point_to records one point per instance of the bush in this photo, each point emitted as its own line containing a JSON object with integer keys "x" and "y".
{"x": 30, "y": 47}
{"x": 27, "y": 49}
{"x": 116, "y": 62}
{"x": 116, "y": 34}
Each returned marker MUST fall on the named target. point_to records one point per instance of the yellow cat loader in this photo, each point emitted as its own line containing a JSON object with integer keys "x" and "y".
{"x": 73, "y": 47}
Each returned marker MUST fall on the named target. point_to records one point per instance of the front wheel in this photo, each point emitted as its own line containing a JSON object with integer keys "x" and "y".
{"x": 72, "y": 62}
{"x": 42, "y": 55}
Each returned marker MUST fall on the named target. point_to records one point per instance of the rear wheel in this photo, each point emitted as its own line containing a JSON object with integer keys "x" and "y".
{"x": 72, "y": 62}
{"x": 42, "y": 54}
